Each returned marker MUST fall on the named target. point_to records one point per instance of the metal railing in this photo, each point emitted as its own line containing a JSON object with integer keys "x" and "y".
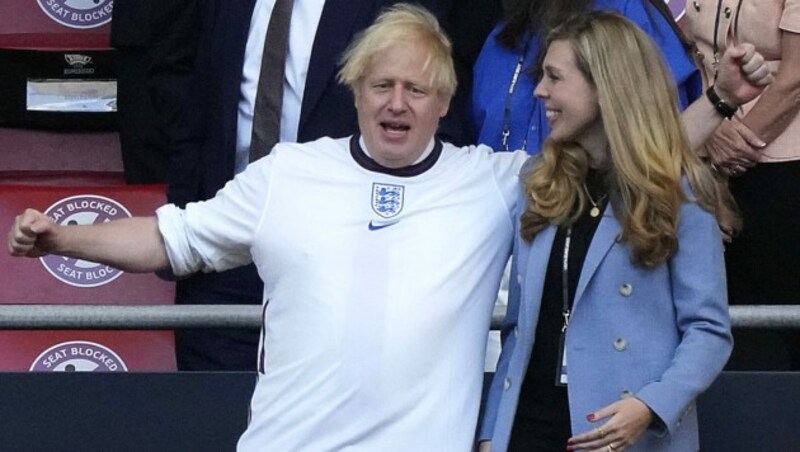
{"x": 161, "y": 317}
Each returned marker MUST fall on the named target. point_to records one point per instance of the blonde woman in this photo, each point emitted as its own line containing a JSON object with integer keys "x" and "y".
{"x": 505, "y": 115}
{"x": 618, "y": 316}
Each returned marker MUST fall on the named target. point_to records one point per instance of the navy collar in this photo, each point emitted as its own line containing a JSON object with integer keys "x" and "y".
{"x": 416, "y": 169}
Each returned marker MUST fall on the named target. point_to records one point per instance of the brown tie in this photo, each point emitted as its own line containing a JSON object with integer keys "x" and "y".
{"x": 269, "y": 97}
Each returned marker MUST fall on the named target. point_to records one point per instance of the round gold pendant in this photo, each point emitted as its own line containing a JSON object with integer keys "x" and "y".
{"x": 594, "y": 212}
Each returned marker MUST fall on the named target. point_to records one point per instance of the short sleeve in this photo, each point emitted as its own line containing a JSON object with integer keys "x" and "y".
{"x": 790, "y": 19}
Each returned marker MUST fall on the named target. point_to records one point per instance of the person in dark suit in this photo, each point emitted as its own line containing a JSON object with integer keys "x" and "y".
{"x": 156, "y": 43}
{"x": 217, "y": 124}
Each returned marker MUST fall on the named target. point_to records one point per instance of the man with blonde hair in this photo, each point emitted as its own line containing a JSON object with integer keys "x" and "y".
{"x": 381, "y": 256}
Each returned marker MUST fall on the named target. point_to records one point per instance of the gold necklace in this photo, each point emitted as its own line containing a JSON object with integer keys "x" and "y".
{"x": 595, "y": 210}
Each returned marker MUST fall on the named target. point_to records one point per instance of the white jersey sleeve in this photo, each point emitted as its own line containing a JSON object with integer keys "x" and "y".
{"x": 217, "y": 234}
{"x": 506, "y": 167}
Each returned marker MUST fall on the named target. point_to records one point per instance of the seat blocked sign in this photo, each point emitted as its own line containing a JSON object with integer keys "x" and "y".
{"x": 63, "y": 280}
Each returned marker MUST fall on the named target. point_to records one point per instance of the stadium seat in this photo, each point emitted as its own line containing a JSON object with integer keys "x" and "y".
{"x": 58, "y": 85}
{"x": 80, "y": 198}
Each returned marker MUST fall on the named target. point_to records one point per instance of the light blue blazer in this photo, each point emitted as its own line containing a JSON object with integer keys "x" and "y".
{"x": 660, "y": 334}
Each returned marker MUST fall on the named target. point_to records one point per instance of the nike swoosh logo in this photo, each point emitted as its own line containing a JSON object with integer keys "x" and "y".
{"x": 375, "y": 227}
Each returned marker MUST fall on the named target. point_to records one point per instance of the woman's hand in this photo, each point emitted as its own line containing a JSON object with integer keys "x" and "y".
{"x": 742, "y": 75}
{"x": 485, "y": 446}
{"x": 628, "y": 419}
{"x": 733, "y": 148}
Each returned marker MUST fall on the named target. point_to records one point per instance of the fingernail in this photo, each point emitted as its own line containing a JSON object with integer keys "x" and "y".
{"x": 590, "y": 417}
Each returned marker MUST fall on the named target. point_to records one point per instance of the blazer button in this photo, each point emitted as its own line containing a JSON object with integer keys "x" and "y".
{"x": 519, "y": 279}
{"x": 625, "y": 395}
{"x": 626, "y": 290}
{"x": 516, "y": 331}
{"x": 620, "y": 344}
{"x": 506, "y": 384}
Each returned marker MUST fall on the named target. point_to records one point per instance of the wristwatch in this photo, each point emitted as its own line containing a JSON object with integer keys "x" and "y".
{"x": 720, "y": 105}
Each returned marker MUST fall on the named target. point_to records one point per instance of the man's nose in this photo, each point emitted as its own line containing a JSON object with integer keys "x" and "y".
{"x": 397, "y": 102}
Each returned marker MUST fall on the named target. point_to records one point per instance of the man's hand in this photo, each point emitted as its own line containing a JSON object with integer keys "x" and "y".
{"x": 742, "y": 75}
{"x": 31, "y": 234}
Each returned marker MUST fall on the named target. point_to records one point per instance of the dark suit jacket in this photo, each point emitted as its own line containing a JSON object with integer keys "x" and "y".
{"x": 156, "y": 43}
{"x": 204, "y": 146}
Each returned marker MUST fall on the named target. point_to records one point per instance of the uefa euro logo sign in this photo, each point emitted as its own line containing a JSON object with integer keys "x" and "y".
{"x": 78, "y": 13}
{"x": 77, "y": 60}
{"x": 387, "y": 199}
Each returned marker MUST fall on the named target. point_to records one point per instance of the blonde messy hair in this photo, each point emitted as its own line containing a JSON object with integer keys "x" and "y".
{"x": 402, "y": 23}
{"x": 647, "y": 144}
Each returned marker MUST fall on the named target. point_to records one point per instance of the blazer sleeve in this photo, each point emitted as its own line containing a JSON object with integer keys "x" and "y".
{"x": 488, "y": 415}
{"x": 697, "y": 277}
{"x": 508, "y": 338}
{"x": 186, "y": 139}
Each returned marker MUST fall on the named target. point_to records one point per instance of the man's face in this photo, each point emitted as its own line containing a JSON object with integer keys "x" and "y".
{"x": 398, "y": 109}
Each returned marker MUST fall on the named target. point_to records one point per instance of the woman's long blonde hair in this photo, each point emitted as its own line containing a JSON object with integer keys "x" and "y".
{"x": 648, "y": 148}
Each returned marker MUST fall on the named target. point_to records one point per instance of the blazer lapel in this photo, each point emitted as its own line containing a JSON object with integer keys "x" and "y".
{"x": 604, "y": 237}
{"x": 536, "y": 267}
{"x": 234, "y": 25}
{"x": 333, "y": 35}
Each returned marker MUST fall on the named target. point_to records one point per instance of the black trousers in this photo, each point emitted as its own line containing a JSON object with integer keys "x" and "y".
{"x": 763, "y": 262}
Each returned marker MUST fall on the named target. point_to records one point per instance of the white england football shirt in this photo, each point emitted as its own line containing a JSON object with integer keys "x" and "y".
{"x": 379, "y": 289}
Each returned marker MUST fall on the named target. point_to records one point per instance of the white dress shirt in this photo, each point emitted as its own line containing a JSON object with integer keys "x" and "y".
{"x": 302, "y": 30}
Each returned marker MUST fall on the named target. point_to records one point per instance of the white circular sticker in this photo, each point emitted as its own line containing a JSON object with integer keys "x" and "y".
{"x": 78, "y": 356}
{"x": 78, "y": 13}
{"x": 83, "y": 209}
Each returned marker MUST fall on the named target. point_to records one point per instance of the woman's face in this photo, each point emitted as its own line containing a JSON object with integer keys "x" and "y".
{"x": 570, "y": 100}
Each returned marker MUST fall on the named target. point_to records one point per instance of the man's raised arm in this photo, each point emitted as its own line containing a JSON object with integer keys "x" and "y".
{"x": 132, "y": 244}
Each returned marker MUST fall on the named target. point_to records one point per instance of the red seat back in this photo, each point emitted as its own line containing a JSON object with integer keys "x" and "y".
{"x": 55, "y": 279}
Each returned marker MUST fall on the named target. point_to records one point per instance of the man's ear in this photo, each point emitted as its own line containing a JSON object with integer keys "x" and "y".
{"x": 358, "y": 94}
{"x": 445, "y": 107}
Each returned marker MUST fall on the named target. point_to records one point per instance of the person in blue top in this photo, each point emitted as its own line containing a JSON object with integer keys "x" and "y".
{"x": 504, "y": 112}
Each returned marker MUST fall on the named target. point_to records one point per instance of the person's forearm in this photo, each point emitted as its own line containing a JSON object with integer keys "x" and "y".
{"x": 700, "y": 120}
{"x": 780, "y": 103}
{"x": 133, "y": 244}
